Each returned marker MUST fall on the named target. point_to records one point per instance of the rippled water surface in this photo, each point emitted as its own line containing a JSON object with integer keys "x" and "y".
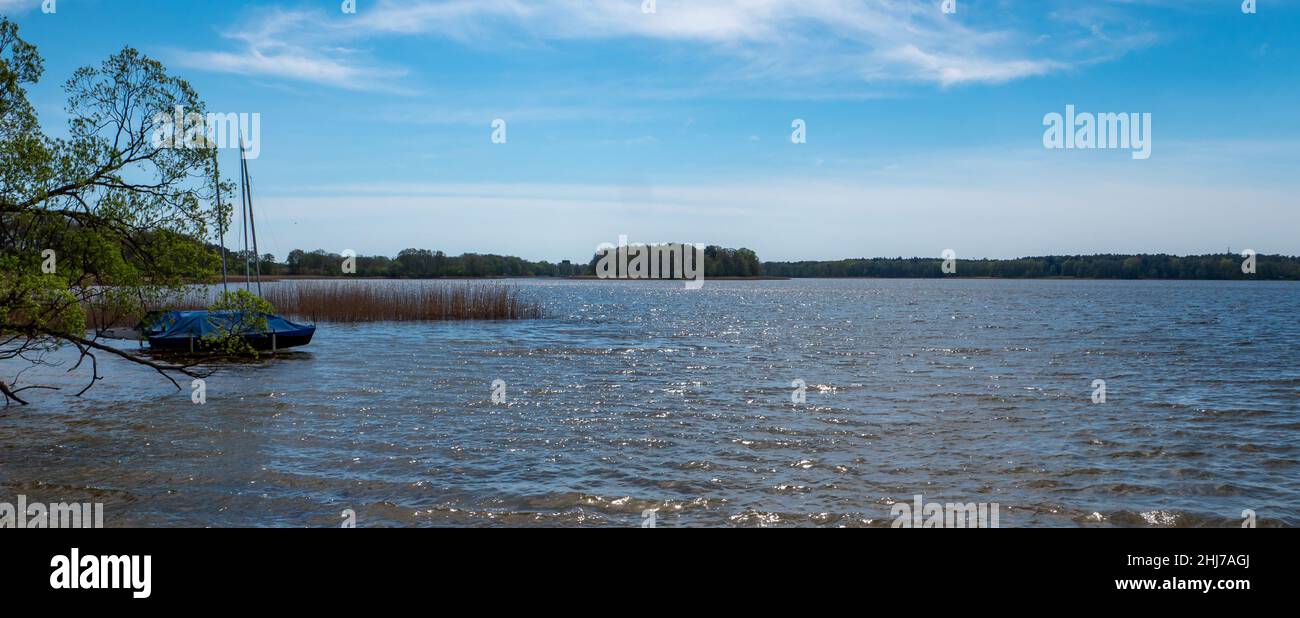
{"x": 635, "y": 396}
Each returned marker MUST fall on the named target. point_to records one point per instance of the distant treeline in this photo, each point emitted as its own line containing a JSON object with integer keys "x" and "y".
{"x": 428, "y": 264}
{"x": 723, "y": 262}
{"x": 718, "y": 261}
{"x": 1214, "y": 266}
{"x": 422, "y": 264}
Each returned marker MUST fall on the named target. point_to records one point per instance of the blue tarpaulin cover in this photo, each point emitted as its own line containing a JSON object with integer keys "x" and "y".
{"x": 200, "y": 324}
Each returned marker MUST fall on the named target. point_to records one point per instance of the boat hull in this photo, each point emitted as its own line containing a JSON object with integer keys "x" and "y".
{"x": 196, "y": 331}
{"x": 280, "y": 341}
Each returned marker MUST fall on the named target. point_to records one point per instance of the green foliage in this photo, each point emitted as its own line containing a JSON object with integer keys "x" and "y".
{"x": 125, "y": 217}
{"x": 427, "y": 264}
{"x": 1219, "y": 266}
{"x": 718, "y": 261}
{"x": 35, "y": 303}
{"x": 721, "y": 262}
{"x": 420, "y": 264}
{"x": 250, "y": 313}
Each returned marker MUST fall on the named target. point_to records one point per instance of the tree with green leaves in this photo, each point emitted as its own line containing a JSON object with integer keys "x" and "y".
{"x": 102, "y": 223}
{"x": 247, "y": 315}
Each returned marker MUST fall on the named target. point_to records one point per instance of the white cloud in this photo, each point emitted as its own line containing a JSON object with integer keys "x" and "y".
{"x": 290, "y": 64}
{"x": 14, "y": 6}
{"x": 772, "y": 41}
{"x": 289, "y": 44}
{"x": 958, "y": 69}
{"x": 905, "y": 40}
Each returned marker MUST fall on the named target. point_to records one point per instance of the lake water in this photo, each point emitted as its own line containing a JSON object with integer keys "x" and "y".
{"x": 633, "y": 396}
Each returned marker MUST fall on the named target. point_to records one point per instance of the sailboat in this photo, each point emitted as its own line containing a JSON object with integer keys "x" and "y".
{"x": 187, "y": 330}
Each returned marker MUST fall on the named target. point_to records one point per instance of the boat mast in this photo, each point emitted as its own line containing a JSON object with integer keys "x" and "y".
{"x": 221, "y": 219}
{"x": 252, "y": 221}
{"x": 243, "y": 215}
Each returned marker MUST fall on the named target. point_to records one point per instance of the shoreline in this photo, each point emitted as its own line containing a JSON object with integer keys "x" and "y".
{"x": 279, "y": 278}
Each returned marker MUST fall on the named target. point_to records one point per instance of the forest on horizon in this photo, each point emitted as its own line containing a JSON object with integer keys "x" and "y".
{"x": 724, "y": 262}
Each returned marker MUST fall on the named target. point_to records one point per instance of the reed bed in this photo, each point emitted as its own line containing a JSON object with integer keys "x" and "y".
{"x": 191, "y": 299}
{"x": 399, "y": 301}
{"x": 357, "y": 301}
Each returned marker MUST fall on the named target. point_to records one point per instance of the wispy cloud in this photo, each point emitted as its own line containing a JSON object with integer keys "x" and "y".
{"x": 293, "y": 45}
{"x": 875, "y": 40}
{"x": 809, "y": 42}
{"x": 292, "y": 64}
{"x": 16, "y": 6}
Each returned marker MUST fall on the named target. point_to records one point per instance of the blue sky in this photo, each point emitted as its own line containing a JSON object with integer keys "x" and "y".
{"x": 924, "y": 129}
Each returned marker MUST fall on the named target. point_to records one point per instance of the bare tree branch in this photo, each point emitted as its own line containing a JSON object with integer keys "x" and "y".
{"x": 160, "y": 368}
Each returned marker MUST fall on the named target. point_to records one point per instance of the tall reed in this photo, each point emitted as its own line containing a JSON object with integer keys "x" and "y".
{"x": 113, "y": 315}
{"x": 398, "y": 301}
{"x": 357, "y": 301}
